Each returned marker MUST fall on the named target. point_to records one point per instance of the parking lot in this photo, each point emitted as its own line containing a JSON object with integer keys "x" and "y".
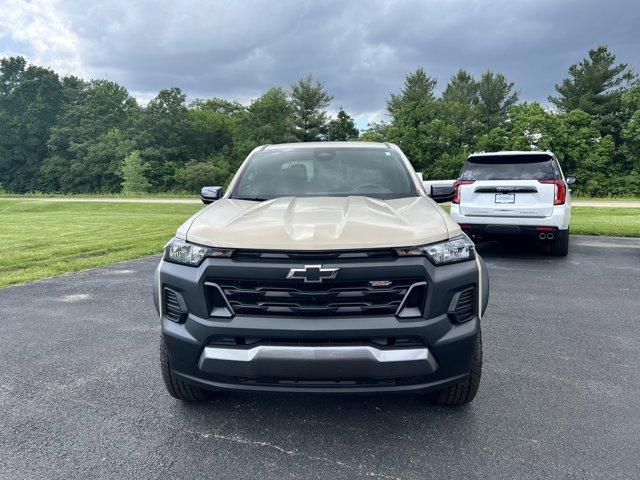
{"x": 81, "y": 394}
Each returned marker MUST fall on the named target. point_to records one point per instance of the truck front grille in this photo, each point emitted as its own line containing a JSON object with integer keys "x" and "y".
{"x": 334, "y": 297}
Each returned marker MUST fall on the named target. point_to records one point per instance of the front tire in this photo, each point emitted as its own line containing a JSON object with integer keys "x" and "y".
{"x": 176, "y": 387}
{"x": 560, "y": 244}
{"x": 463, "y": 392}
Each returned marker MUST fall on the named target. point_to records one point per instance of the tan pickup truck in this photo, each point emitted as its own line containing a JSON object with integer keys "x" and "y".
{"x": 324, "y": 267}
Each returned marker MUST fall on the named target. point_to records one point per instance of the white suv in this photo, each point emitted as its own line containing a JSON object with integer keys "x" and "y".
{"x": 499, "y": 194}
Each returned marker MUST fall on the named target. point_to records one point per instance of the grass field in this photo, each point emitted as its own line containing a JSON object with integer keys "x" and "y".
{"x": 41, "y": 238}
{"x": 617, "y": 222}
{"x": 98, "y": 195}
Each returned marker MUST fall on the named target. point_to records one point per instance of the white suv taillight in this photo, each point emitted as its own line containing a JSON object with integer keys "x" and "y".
{"x": 456, "y": 187}
{"x": 560, "y": 195}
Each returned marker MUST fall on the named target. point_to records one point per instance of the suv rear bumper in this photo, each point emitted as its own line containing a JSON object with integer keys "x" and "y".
{"x": 559, "y": 219}
{"x": 324, "y": 354}
{"x": 489, "y": 231}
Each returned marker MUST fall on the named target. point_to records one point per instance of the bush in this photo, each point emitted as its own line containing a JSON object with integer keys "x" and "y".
{"x": 197, "y": 174}
{"x": 134, "y": 179}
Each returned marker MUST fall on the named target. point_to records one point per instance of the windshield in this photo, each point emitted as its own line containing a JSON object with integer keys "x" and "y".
{"x": 509, "y": 167}
{"x": 324, "y": 172}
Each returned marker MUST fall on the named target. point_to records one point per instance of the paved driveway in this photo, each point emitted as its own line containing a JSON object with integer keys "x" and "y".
{"x": 81, "y": 394}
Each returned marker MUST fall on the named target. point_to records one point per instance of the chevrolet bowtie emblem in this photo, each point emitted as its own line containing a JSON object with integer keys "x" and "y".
{"x": 312, "y": 273}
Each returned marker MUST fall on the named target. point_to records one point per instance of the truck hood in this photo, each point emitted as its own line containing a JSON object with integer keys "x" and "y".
{"x": 319, "y": 223}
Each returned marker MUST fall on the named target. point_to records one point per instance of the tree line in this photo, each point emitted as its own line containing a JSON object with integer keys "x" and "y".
{"x": 67, "y": 135}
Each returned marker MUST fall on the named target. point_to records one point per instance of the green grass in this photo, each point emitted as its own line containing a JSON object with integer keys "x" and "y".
{"x": 180, "y": 195}
{"x": 605, "y": 199}
{"x": 617, "y": 222}
{"x": 40, "y": 239}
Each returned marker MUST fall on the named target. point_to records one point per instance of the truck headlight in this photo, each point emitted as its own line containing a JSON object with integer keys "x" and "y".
{"x": 456, "y": 250}
{"x": 179, "y": 251}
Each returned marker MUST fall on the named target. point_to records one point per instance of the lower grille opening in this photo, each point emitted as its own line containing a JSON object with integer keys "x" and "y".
{"x": 380, "y": 342}
{"x": 301, "y": 382}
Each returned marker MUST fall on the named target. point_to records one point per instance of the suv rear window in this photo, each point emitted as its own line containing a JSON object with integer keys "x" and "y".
{"x": 509, "y": 167}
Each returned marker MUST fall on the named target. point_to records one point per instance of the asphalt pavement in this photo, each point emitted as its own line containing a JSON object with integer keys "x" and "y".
{"x": 81, "y": 394}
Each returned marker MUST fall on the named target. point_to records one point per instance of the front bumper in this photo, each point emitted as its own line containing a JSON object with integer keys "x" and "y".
{"x": 323, "y": 354}
{"x": 313, "y": 362}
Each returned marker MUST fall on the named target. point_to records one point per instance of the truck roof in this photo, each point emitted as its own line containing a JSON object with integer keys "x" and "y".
{"x": 510, "y": 152}
{"x": 303, "y": 145}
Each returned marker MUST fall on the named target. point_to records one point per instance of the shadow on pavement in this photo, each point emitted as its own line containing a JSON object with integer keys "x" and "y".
{"x": 340, "y": 415}
{"x": 516, "y": 249}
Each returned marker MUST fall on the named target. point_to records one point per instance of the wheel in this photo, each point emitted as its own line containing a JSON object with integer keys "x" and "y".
{"x": 463, "y": 392}
{"x": 560, "y": 244}
{"x": 176, "y": 387}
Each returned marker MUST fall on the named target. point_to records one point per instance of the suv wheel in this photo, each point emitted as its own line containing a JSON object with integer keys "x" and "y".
{"x": 465, "y": 391}
{"x": 560, "y": 244}
{"x": 176, "y": 387}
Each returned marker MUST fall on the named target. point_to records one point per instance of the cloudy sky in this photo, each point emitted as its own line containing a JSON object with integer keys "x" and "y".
{"x": 361, "y": 50}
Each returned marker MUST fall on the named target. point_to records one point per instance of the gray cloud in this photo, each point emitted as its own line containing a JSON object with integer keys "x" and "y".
{"x": 361, "y": 50}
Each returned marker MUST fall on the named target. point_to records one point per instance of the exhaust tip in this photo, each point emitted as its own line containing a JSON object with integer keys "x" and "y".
{"x": 549, "y": 236}
{"x": 542, "y": 236}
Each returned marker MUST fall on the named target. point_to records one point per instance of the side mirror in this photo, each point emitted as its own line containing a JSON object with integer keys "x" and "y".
{"x": 211, "y": 194}
{"x": 442, "y": 193}
{"x": 571, "y": 180}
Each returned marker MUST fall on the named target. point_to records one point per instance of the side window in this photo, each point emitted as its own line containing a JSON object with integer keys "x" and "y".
{"x": 462, "y": 170}
{"x": 556, "y": 167}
